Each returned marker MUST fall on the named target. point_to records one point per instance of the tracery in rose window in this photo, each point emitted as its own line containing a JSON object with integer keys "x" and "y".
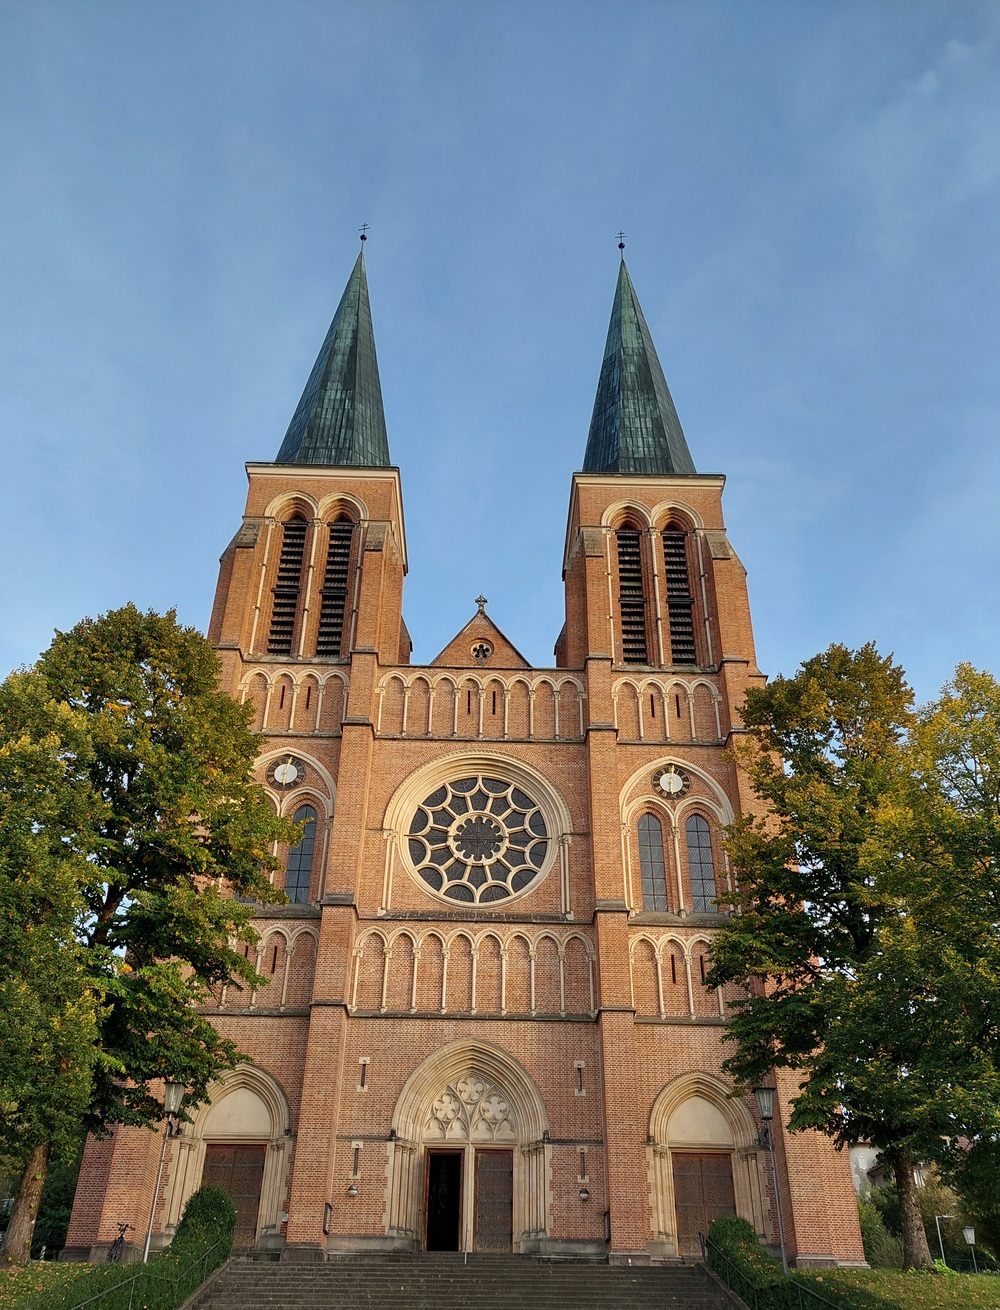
{"x": 478, "y": 840}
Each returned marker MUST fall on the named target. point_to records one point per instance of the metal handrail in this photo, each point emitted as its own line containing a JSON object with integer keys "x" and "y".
{"x": 146, "y": 1272}
{"x": 783, "y": 1294}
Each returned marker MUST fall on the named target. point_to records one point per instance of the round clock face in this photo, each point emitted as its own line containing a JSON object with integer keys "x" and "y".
{"x": 671, "y": 782}
{"x": 286, "y": 772}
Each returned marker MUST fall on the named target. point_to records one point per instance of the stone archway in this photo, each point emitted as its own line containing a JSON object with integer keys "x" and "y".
{"x": 246, "y": 1113}
{"x": 703, "y": 1153}
{"x": 474, "y": 1104}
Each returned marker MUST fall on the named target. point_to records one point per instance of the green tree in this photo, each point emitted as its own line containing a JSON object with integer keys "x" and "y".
{"x": 975, "y": 1175}
{"x": 176, "y": 823}
{"x": 49, "y": 1005}
{"x": 949, "y": 836}
{"x": 858, "y": 965}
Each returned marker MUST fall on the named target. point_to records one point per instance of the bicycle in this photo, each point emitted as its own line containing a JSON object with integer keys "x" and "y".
{"x": 118, "y": 1245}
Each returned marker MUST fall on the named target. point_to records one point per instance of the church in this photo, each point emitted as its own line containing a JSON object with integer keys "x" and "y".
{"x": 484, "y": 1024}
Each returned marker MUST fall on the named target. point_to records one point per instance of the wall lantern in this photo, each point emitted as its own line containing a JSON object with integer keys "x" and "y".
{"x": 352, "y": 1190}
{"x": 764, "y": 1096}
{"x": 584, "y": 1194}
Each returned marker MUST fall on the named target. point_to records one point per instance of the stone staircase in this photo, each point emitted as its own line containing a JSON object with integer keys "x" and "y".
{"x": 433, "y": 1281}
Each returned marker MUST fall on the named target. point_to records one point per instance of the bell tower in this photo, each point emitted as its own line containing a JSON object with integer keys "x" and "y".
{"x": 658, "y": 620}
{"x": 316, "y": 570}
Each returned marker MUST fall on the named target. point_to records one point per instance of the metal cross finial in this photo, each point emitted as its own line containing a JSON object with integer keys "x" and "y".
{"x": 363, "y": 229}
{"x": 481, "y": 601}
{"x": 622, "y": 237}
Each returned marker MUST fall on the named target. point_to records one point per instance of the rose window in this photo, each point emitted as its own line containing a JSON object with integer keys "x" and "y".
{"x": 478, "y": 840}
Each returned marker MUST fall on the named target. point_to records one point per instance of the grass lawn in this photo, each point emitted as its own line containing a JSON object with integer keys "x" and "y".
{"x": 886, "y": 1289}
{"x": 20, "y": 1284}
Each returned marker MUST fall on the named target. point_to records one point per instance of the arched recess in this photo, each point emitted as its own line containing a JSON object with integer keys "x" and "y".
{"x": 666, "y": 510}
{"x": 694, "y": 1122}
{"x": 246, "y": 1108}
{"x": 710, "y": 794}
{"x": 469, "y": 1096}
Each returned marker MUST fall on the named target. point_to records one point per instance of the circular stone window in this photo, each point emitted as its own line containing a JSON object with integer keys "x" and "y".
{"x": 478, "y": 840}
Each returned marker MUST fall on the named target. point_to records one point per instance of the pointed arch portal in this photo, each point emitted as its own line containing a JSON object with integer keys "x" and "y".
{"x": 469, "y": 1160}
{"x": 705, "y": 1162}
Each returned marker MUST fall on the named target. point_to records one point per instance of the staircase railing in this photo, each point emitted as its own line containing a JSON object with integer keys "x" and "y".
{"x": 786, "y": 1294}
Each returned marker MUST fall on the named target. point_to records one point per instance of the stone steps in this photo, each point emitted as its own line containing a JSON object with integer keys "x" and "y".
{"x": 448, "y": 1282}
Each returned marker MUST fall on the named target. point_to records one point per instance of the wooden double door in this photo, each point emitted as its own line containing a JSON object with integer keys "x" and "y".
{"x": 492, "y": 1199}
{"x": 703, "y": 1191}
{"x": 239, "y": 1171}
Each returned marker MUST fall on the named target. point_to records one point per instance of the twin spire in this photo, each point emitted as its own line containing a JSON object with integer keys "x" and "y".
{"x": 635, "y": 428}
{"x": 340, "y": 421}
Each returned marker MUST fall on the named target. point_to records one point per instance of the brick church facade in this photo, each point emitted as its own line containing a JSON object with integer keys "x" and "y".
{"x": 483, "y": 1024}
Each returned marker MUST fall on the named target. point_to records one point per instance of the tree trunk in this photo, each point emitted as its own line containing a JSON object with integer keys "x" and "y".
{"x": 17, "y": 1246}
{"x": 916, "y": 1253}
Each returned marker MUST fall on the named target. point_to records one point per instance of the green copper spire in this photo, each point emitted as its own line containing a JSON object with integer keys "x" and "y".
{"x": 635, "y": 428}
{"x": 339, "y": 419}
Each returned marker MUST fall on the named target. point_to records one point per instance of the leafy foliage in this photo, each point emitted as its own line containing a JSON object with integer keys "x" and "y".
{"x": 128, "y": 812}
{"x": 735, "y": 1254}
{"x": 883, "y": 1249}
{"x": 868, "y": 909}
{"x": 165, "y": 1283}
{"x": 49, "y": 1004}
{"x": 179, "y": 817}
{"x": 208, "y": 1215}
{"x": 975, "y": 1175}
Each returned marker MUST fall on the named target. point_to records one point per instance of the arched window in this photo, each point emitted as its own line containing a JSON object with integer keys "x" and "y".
{"x": 284, "y": 609}
{"x": 333, "y": 609}
{"x": 700, "y": 864}
{"x": 300, "y": 858}
{"x": 680, "y": 602}
{"x": 651, "y": 865}
{"x": 631, "y": 597}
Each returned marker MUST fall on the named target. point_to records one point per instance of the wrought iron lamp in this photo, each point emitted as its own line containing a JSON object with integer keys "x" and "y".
{"x": 764, "y": 1096}
{"x": 173, "y": 1095}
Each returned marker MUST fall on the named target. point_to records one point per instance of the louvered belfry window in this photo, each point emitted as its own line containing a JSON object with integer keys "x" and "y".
{"x": 286, "y": 590}
{"x": 631, "y": 597}
{"x": 330, "y": 638}
{"x": 680, "y": 602}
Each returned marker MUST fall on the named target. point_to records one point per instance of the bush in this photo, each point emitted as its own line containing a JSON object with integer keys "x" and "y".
{"x": 203, "y": 1240}
{"x": 883, "y": 1250}
{"x": 736, "y": 1255}
{"x": 208, "y": 1215}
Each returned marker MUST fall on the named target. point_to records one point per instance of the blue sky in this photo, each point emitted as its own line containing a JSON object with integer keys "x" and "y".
{"x": 810, "y": 191}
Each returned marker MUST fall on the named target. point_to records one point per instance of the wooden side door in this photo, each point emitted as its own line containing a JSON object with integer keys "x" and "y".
{"x": 703, "y": 1191}
{"x": 494, "y": 1212}
{"x": 239, "y": 1171}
